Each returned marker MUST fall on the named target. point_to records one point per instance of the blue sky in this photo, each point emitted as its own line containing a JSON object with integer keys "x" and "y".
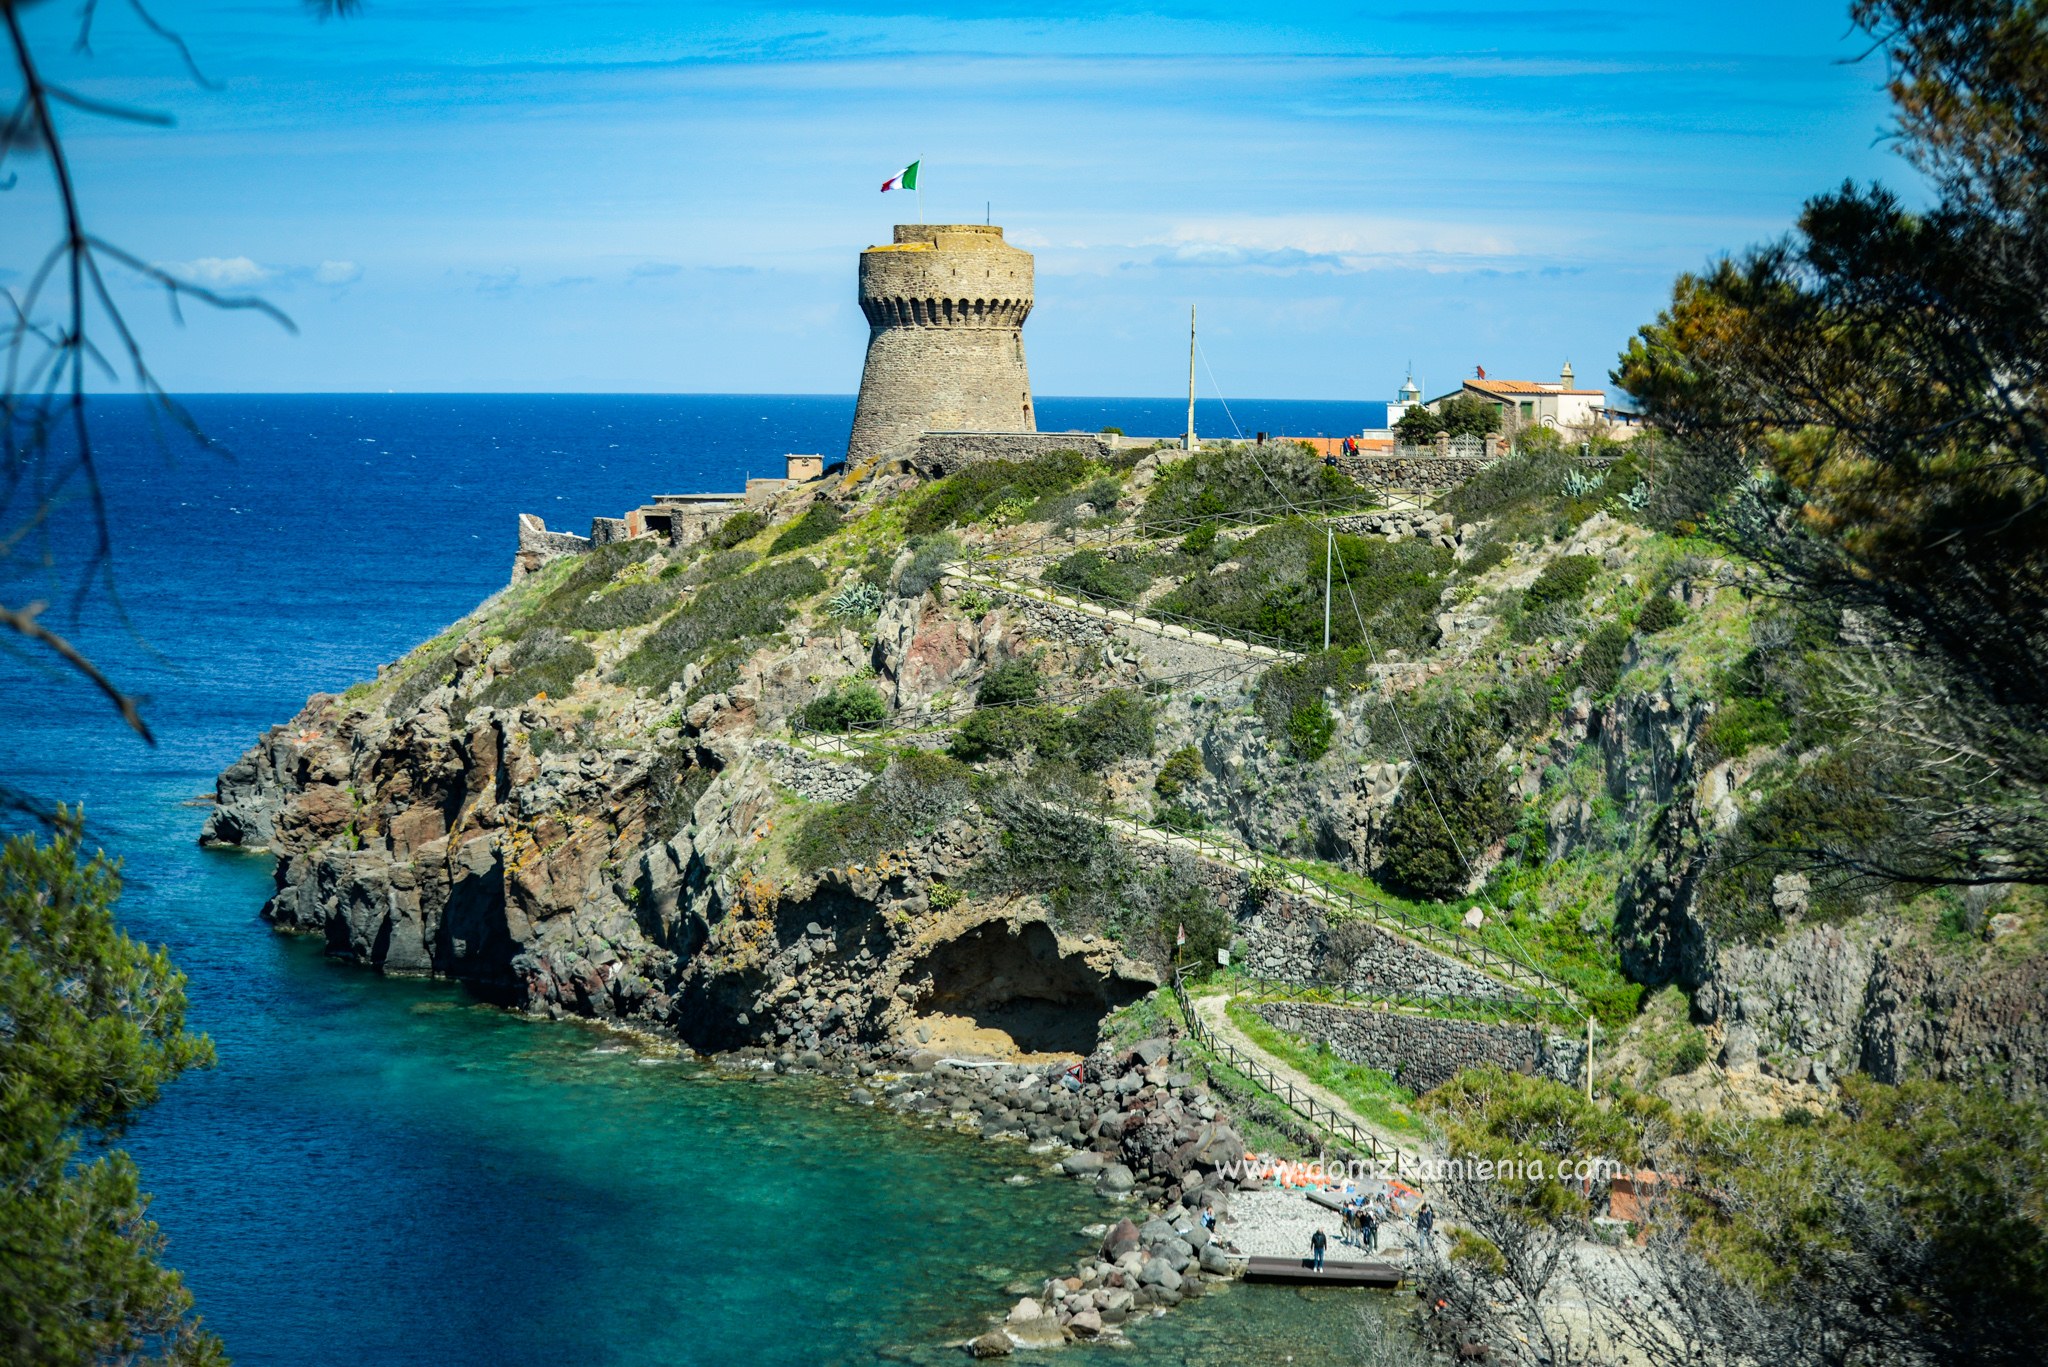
{"x": 638, "y": 196}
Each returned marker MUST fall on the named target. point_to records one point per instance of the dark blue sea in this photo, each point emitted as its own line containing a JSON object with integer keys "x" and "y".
{"x": 386, "y": 1172}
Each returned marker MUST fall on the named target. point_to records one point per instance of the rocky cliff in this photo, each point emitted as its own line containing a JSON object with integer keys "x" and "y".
{"x": 834, "y": 776}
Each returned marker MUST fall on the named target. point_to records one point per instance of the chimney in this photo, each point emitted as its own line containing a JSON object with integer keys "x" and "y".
{"x": 1566, "y": 375}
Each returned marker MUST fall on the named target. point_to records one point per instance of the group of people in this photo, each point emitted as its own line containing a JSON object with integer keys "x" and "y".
{"x": 1363, "y": 1217}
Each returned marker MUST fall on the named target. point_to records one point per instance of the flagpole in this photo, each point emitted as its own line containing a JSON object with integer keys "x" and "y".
{"x": 920, "y": 190}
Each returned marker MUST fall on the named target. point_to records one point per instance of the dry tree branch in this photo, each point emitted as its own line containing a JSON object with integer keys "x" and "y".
{"x": 44, "y": 399}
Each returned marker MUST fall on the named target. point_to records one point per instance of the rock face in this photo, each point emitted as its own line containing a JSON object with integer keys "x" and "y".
{"x": 575, "y": 883}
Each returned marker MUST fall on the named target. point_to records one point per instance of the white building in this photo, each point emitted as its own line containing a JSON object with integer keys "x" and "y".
{"x": 1525, "y": 403}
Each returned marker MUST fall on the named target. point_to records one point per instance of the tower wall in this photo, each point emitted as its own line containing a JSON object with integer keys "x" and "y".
{"x": 945, "y": 305}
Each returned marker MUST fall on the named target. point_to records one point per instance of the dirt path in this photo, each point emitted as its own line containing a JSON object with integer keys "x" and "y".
{"x": 1212, "y": 1010}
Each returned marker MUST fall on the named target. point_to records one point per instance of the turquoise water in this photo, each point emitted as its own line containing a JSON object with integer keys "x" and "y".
{"x": 382, "y": 1172}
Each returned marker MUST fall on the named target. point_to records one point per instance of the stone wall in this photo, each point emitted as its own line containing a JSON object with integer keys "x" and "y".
{"x": 1435, "y": 473}
{"x": 934, "y": 454}
{"x": 1289, "y": 939}
{"x": 1428, "y": 1051}
{"x": 538, "y": 545}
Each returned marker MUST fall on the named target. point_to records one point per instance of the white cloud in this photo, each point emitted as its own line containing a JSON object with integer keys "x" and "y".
{"x": 220, "y": 272}
{"x": 337, "y": 273}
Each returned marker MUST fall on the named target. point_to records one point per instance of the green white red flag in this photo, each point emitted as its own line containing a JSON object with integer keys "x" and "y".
{"x": 906, "y": 179}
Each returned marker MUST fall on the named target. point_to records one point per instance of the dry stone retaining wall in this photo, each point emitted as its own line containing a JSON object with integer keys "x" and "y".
{"x": 1289, "y": 939}
{"x": 1427, "y": 1051}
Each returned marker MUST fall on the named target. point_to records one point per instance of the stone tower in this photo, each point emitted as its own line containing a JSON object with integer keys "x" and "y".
{"x": 946, "y": 305}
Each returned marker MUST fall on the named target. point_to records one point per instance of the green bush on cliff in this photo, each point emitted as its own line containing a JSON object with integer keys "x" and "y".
{"x": 628, "y": 605}
{"x": 819, "y": 521}
{"x": 1291, "y": 698}
{"x": 544, "y": 661}
{"x": 1115, "y": 577}
{"x": 1009, "y": 682}
{"x": 974, "y": 492}
{"x": 1275, "y": 589}
{"x": 1661, "y": 613}
{"x": 1454, "y": 804}
{"x": 1239, "y": 480}
{"x": 1118, "y": 725}
{"x": 851, "y": 704}
{"x": 741, "y": 526}
{"x": 1598, "y": 668}
{"x": 1003, "y": 732}
{"x": 928, "y": 560}
{"x": 917, "y": 793}
{"x": 1563, "y": 580}
{"x": 750, "y": 605}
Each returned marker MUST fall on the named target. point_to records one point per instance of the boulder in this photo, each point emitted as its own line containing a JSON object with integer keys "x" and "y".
{"x": 1122, "y": 1238}
{"x": 1086, "y": 1324}
{"x": 1156, "y": 1231}
{"x": 1083, "y": 1163}
{"x": 994, "y": 1344}
{"x": 1158, "y": 1272}
{"x": 1116, "y": 1179}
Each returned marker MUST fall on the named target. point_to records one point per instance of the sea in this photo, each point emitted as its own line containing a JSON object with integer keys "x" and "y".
{"x": 383, "y": 1172}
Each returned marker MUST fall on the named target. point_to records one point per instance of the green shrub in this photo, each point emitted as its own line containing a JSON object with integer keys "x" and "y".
{"x": 595, "y": 569}
{"x": 1659, "y": 614}
{"x": 1691, "y": 1054}
{"x": 1200, "y": 541}
{"x": 1740, "y": 725}
{"x": 718, "y": 565}
{"x": 741, "y": 526}
{"x": 1063, "y": 511}
{"x": 544, "y": 661}
{"x": 1091, "y": 883}
{"x": 1117, "y": 725}
{"x": 1454, "y": 804}
{"x": 918, "y": 792}
{"x": 819, "y": 521}
{"x": 1534, "y": 474}
{"x": 750, "y": 605}
{"x": 972, "y": 493}
{"x": 1111, "y": 578}
{"x": 1009, "y": 682}
{"x": 1310, "y": 728}
{"x": 1275, "y": 589}
{"x": 851, "y": 703}
{"x": 1182, "y": 770}
{"x": 1564, "y": 580}
{"x": 1003, "y": 732}
{"x": 1489, "y": 555}
{"x": 928, "y": 561}
{"x": 1235, "y": 479}
{"x": 628, "y": 605}
{"x": 1284, "y": 690}
{"x": 1598, "y": 668}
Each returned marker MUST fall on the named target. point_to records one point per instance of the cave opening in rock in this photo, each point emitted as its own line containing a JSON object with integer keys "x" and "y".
{"x": 1002, "y": 983}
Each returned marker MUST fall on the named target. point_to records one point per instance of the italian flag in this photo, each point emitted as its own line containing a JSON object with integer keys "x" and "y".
{"x": 906, "y": 179}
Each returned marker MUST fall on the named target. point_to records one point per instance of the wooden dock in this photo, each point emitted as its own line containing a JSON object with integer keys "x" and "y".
{"x": 1299, "y": 1272}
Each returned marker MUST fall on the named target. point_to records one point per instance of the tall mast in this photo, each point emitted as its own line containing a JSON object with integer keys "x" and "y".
{"x": 1191, "y": 377}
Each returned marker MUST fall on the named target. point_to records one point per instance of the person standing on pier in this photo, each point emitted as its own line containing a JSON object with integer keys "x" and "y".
{"x": 1316, "y": 1244}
